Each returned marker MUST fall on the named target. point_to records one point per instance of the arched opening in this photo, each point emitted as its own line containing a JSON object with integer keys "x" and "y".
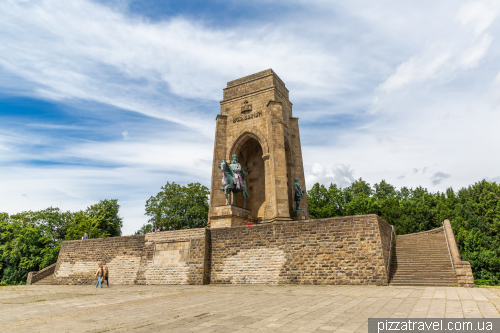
{"x": 250, "y": 157}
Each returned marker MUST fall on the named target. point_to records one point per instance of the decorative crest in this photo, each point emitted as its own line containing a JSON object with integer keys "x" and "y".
{"x": 246, "y": 107}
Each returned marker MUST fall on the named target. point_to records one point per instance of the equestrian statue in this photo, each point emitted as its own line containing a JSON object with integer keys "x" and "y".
{"x": 232, "y": 180}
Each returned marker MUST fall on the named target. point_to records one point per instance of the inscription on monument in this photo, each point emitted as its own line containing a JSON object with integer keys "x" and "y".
{"x": 246, "y": 117}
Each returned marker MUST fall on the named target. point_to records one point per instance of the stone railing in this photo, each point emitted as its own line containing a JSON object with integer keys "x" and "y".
{"x": 462, "y": 268}
{"x": 390, "y": 252}
{"x": 38, "y": 275}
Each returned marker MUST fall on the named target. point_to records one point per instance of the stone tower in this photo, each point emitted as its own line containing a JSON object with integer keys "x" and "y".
{"x": 257, "y": 125}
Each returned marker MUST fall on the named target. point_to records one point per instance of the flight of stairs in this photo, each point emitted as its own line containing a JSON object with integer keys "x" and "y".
{"x": 46, "y": 280}
{"x": 422, "y": 259}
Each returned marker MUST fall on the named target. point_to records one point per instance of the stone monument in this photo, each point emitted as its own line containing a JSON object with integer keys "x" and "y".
{"x": 258, "y": 133}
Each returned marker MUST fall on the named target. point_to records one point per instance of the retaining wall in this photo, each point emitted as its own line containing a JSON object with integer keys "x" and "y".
{"x": 344, "y": 250}
{"x": 174, "y": 257}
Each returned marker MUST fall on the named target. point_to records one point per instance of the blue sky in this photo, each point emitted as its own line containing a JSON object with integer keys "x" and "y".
{"x": 112, "y": 99}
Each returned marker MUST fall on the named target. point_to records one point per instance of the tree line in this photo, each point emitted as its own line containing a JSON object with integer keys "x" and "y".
{"x": 30, "y": 241}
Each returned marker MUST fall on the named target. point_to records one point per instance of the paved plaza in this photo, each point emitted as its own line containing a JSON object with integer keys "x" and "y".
{"x": 232, "y": 308}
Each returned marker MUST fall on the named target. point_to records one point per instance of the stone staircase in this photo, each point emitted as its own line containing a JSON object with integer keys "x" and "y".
{"x": 422, "y": 259}
{"x": 44, "y": 276}
{"x": 45, "y": 281}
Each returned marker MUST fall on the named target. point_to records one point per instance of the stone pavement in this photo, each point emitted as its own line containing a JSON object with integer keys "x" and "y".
{"x": 232, "y": 308}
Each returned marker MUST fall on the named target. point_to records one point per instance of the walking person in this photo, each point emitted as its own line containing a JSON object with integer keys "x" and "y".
{"x": 106, "y": 273}
{"x": 98, "y": 275}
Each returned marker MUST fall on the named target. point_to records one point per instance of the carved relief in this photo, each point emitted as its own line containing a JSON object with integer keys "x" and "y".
{"x": 246, "y": 107}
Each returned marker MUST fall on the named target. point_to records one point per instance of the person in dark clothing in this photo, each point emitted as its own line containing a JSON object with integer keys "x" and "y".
{"x": 170, "y": 229}
{"x": 106, "y": 273}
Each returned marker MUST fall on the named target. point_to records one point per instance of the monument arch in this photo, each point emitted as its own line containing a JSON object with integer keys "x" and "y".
{"x": 251, "y": 154}
{"x": 256, "y": 124}
{"x": 255, "y": 134}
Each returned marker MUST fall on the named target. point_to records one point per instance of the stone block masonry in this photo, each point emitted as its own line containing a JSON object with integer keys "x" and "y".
{"x": 344, "y": 250}
{"x": 79, "y": 259}
{"x": 173, "y": 257}
{"x": 256, "y": 124}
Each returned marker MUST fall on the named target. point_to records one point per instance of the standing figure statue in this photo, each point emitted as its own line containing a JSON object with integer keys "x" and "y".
{"x": 299, "y": 194}
{"x": 232, "y": 180}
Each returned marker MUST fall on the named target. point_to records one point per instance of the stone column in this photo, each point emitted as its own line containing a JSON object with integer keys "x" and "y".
{"x": 277, "y": 189}
{"x": 297, "y": 164}
{"x": 217, "y": 197}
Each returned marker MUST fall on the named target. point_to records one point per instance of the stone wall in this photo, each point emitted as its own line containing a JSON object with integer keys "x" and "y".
{"x": 79, "y": 259}
{"x": 347, "y": 250}
{"x": 174, "y": 257}
{"x": 170, "y": 257}
{"x": 344, "y": 250}
{"x": 463, "y": 270}
{"x": 387, "y": 236}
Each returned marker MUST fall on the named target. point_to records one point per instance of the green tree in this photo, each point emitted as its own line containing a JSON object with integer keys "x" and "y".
{"x": 105, "y": 215}
{"x": 474, "y": 213}
{"x": 97, "y": 221}
{"x": 30, "y": 240}
{"x": 84, "y": 224}
{"x": 55, "y": 222}
{"x": 146, "y": 227}
{"x": 179, "y": 206}
{"x": 384, "y": 190}
{"x": 24, "y": 247}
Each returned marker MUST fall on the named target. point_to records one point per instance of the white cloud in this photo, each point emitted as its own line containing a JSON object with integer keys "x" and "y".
{"x": 84, "y": 50}
{"x": 340, "y": 174}
{"x": 448, "y": 54}
{"x": 75, "y": 188}
{"x": 471, "y": 57}
{"x": 480, "y": 14}
{"x": 423, "y": 72}
{"x": 417, "y": 69}
{"x": 63, "y": 127}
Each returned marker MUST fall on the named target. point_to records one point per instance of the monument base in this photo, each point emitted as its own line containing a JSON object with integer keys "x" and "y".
{"x": 229, "y": 216}
{"x": 298, "y": 215}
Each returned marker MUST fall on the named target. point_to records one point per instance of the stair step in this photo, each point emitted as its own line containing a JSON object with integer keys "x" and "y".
{"x": 418, "y": 284}
{"x": 422, "y": 260}
{"x": 45, "y": 281}
{"x": 425, "y": 277}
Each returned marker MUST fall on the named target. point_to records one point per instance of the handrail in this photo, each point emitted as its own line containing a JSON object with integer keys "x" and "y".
{"x": 448, "y": 246}
{"x": 390, "y": 249}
